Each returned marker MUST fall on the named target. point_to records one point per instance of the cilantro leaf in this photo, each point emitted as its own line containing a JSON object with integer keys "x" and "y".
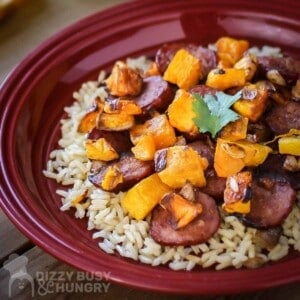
{"x": 213, "y": 111}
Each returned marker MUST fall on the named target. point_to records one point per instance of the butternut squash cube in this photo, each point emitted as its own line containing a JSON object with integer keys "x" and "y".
{"x": 117, "y": 106}
{"x": 182, "y": 105}
{"x": 223, "y": 79}
{"x": 145, "y": 148}
{"x": 100, "y": 150}
{"x": 163, "y": 133}
{"x": 181, "y": 164}
{"x": 115, "y": 122}
{"x": 236, "y": 130}
{"x": 183, "y": 211}
{"x": 232, "y": 157}
{"x": 88, "y": 122}
{"x": 230, "y": 49}
{"x": 185, "y": 70}
{"x": 255, "y": 104}
{"x": 236, "y": 195}
{"x": 144, "y": 196}
{"x": 289, "y": 145}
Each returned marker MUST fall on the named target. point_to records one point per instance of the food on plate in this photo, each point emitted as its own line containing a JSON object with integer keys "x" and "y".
{"x": 189, "y": 158}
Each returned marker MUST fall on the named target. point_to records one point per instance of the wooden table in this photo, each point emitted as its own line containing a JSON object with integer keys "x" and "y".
{"x": 19, "y": 34}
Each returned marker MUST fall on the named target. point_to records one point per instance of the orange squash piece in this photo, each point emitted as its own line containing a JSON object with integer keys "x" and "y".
{"x": 145, "y": 148}
{"x": 231, "y": 50}
{"x": 185, "y": 70}
{"x": 236, "y": 130}
{"x": 183, "y": 164}
{"x": 253, "y": 107}
{"x": 181, "y": 113}
{"x": 163, "y": 133}
{"x": 232, "y": 157}
{"x": 184, "y": 211}
{"x": 100, "y": 150}
{"x": 144, "y": 196}
{"x": 223, "y": 79}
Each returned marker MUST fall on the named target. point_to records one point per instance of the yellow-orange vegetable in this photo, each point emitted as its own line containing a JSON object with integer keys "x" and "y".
{"x": 289, "y": 145}
{"x": 255, "y": 106}
{"x": 144, "y": 196}
{"x": 223, "y": 79}
{"x": 115, "y": 122}
{"x": 183, "y": 164}
{"x": 145, "y": 148}
{"x": 184, "y": 70}
{"x": 79, "y": 198}
{"x": 184, "y": 211}
{"x": 111, "y": 178}
{"x": 232, "y": 157}
{"x": 100, "y": 150}
{"x": 181, "y": 113}
{"x": 117, "y": 106}
{"x": 88, "y": 122}
{"x": 236, "y": 194}
{"x": 230, "y": 49}
{"x": 238, "y": 207}
{"x": 163, "y": 133}
{"x": 236, "y": 130}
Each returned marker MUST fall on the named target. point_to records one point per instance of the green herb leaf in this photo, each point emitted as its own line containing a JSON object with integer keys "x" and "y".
{"x": 213, "y": 111}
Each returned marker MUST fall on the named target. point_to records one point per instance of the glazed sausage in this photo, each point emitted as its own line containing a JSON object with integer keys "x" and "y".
{"x": 272, "y": 201}
{"x": 284, "y": 117}
{"x": 202, "y": 90}
{"x": 204, "y": 149}
{"x": 132, "y": 170}
{"x": 288, "y": 67}
{"x": 157, "y": 94}
{"x": 119, "y": 140}
{"x": 215, "y": 185}
{"x": 198, "y": 231}
{"x": 165, "y": 54}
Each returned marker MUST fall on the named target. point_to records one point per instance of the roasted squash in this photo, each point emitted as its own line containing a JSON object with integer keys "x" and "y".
{"x": 230, "y": 50}
{"x": 145, "y": 148}
{"x": 185, "y": 70}
{"x": 223, "y": 79}
{"x": 100, "y": 150}
{"x": 181, "y": 113}
{"x": 237, "y": 195}
{"x": 115, "y": 122}
{"x": 236, "y": 130}
{"x": 118, "y": 105}
{"x": 254, "y": 101}
{"x": 144, "y": 196}
{"x": 232, "y": 157}
{"x": 180, "y": 164}
{"x": 163, "y": 133}
{"x": 183, "y": 211}
{"x": 289, "y": 145}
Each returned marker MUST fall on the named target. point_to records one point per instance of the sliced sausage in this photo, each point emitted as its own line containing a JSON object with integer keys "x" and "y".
{"x": 215, "y": 185}
{"x": 288, "y": 67}
{"x": 165, "y": 54}
{"x": 204, "y": 149}
{"x": 132, "y": 170}
{"x": 202, "y": 90}
{"x": 284, "y": 117}
{"x": 157, "y": 94}
{"x": 119, "y": 140}
{"x": 272, "y": 201}
{"x": 198, "y": 231}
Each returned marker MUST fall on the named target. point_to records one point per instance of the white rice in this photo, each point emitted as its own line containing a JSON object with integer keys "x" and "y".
{"x": 232, "y": 246}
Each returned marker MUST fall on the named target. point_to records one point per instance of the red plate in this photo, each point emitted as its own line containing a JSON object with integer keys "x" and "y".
{"x": 32, "y": 100}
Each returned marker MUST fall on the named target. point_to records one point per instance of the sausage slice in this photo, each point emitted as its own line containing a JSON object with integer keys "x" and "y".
{"x": 131, "y": 169}
{"x": 284, "y": 117}
{"x": 272, "y": 201}
{"x": 157, "y": 94}
{"x": 198, "y": 231}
